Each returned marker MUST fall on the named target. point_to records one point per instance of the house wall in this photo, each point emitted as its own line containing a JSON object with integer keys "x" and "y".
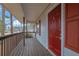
{"x": 43, "y": 38}
{"x": 68, "y": 52}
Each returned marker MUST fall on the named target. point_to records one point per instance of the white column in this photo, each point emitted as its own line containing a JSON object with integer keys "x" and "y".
{"x": 62, "y": 28}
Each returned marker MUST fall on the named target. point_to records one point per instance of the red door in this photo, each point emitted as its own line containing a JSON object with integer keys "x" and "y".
{"x": 54, "y": 30}
{"x": 72, "y": 27}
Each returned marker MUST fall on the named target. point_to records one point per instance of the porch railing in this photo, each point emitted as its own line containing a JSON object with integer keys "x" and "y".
{"x": 12, "y": 44}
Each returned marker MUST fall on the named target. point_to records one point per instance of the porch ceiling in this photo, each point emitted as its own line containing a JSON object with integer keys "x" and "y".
{"x": 33, "y": 10}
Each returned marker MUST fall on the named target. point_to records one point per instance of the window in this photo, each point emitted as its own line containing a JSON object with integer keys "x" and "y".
{"x": 1, "y": 20}
{"x": 38, "y": 26}
{"x": 7, "y": 22}
{"x": 17, "y": 26}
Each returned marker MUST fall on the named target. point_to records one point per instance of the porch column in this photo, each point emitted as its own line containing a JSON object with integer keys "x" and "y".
{"x": 24, "y": 30}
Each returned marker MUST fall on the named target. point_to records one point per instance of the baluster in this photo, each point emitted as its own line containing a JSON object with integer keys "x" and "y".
{"x": 1, "y": 47}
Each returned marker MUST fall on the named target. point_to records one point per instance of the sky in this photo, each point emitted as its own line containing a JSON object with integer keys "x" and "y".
{"x": 0, "y": 10}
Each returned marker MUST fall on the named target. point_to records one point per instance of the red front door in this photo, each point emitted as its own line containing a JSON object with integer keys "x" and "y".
{"x": 54, "y": 30}
{"x": 72, "y": 26}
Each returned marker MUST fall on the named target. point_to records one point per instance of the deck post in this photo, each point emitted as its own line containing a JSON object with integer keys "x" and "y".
{"x": 24, "y": 30}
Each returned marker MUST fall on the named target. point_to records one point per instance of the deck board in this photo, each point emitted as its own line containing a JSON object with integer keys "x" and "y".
{"x": 34, "y": 48}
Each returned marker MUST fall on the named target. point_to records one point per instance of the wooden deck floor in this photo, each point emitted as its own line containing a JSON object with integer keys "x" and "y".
{"x": 34, "y": 48}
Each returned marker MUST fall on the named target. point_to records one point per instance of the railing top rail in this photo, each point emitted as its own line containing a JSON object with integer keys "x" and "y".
{"x": 9, "y": 35}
